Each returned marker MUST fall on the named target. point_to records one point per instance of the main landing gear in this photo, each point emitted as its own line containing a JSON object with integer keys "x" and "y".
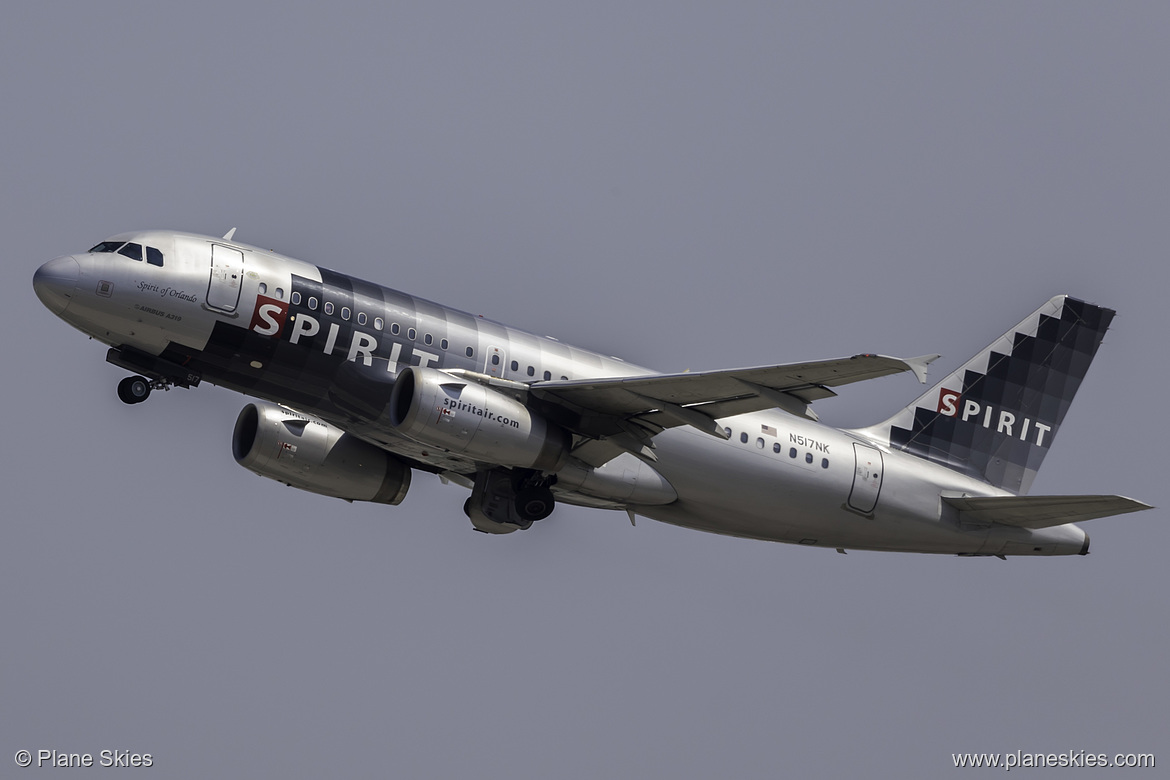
{"x": 504, "y": 501}
{"x": 533, "y": 498}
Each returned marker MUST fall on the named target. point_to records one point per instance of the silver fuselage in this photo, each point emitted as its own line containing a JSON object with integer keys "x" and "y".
{"x": 330, "y": 345}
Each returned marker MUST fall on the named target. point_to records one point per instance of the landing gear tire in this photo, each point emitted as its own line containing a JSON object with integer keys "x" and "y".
{"x": 535, "y": 503}
{"x": 134, "y": 389}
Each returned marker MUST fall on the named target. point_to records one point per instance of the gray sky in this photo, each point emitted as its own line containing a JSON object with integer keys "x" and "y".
{"x": 685, "y": 187}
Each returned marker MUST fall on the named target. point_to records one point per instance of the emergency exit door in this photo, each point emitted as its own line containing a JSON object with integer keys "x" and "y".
{"x": 493, "y": 364}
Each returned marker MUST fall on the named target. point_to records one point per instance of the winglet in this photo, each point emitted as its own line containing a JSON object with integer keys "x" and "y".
{"x": 918, "y": 365}
{"x": 228, "y": 235}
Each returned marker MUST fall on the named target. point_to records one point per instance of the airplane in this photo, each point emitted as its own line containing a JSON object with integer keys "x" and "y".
{"x": 359, "y": 385}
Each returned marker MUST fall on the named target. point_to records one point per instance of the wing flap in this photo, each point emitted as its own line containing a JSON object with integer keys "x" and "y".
{"x": 1040, "y": 511}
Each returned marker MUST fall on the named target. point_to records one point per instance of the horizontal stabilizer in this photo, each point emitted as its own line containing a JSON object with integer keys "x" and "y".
{"x": 1040, "y": 511}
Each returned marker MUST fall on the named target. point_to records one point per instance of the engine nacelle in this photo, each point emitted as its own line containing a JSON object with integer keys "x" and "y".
{"x": 306, "y": 453}
{"x": 474, "y": 420}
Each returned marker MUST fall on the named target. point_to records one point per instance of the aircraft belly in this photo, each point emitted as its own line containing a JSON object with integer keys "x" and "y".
{"x": 737, "y": 489}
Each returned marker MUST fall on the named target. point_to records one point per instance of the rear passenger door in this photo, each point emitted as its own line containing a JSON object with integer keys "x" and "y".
{"x": 867, "y": 478}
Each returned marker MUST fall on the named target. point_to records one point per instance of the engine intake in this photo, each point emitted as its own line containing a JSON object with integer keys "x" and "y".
{"x": 306, "y": 453}
{"x": 471, "y": 419}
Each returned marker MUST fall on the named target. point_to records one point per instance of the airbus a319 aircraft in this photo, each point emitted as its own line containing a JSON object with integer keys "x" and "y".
{"x": 360, "y": 385}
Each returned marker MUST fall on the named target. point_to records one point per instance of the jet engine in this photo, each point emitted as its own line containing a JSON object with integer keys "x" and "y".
{"x": 474, "y": 420}
{"x": 305, "y": 453}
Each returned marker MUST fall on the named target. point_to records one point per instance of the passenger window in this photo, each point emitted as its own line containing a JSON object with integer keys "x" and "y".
{"x": 743, "y": 437}
{"x": 427, "y": 339}
{"x": 808, "y": 458}
{"x": 565, "y": 378}
{"x": 470, "y": 352}
{"x": 312, "y": 303}
{"x": 133, "y": 251}
{"x": 345, "y": 313}
{"x": 760, "y": 443}
{"x": 776, "y": 448}
{"x": 495, "y": 359}
{"x": 296, "y": 299}
{"x": 262, "y": 288}
{"x": 515, "y": 366}
{"x": 792, "y": 452}
{"x": 154, "y": 257}
{"x": 824, "y": 463}
{"x": 378, "y": 323}
{"x": 328, "y": 307}
{"x": 547, "y": 375}
{"x": 443, "y": 345}
{"x": 411, "y": 333}
{"x": 394, "y": 328}
{"x": 531, "y": 371}
{"x": 280, "y": 293}
{"x": 361, "y": 318}
{"x": 727, "y": 432}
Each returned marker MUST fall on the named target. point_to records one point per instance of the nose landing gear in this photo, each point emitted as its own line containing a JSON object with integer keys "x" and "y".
{"x": 164, "y": 374}
{"x": 134, "y": 389}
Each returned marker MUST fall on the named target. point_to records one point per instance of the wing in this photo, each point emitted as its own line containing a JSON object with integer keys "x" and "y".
{"x": 623, "y": 413}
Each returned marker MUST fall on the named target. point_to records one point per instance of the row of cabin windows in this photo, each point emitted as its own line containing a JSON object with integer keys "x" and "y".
{"x": 531, "y": 369}
{"x": 778, "y": 448}
{"x": 516, "y": 367}
{"x": 396, "y": 329}
{"x": 379, "y": 323}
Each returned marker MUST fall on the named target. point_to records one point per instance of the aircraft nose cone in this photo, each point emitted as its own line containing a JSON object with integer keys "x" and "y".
{"x": 56, "y": 281}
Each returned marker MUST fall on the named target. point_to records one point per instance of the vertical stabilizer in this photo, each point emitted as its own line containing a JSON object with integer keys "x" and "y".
{"x": 996, "y": 416}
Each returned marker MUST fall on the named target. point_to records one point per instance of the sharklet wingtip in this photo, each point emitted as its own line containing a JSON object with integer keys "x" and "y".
{"x": 919, "y": 364}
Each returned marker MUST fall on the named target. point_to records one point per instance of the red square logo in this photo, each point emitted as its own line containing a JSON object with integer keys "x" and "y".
{"x": 948, "y": 402}
{"x": 268, "y": 318}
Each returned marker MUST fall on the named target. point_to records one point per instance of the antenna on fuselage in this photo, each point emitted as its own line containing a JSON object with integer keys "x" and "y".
{"x": 228, "y": 235}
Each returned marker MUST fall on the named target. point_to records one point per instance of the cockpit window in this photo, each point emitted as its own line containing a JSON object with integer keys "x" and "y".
{"x": 133, "y": 251}
{"x": 108, "y": 246}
